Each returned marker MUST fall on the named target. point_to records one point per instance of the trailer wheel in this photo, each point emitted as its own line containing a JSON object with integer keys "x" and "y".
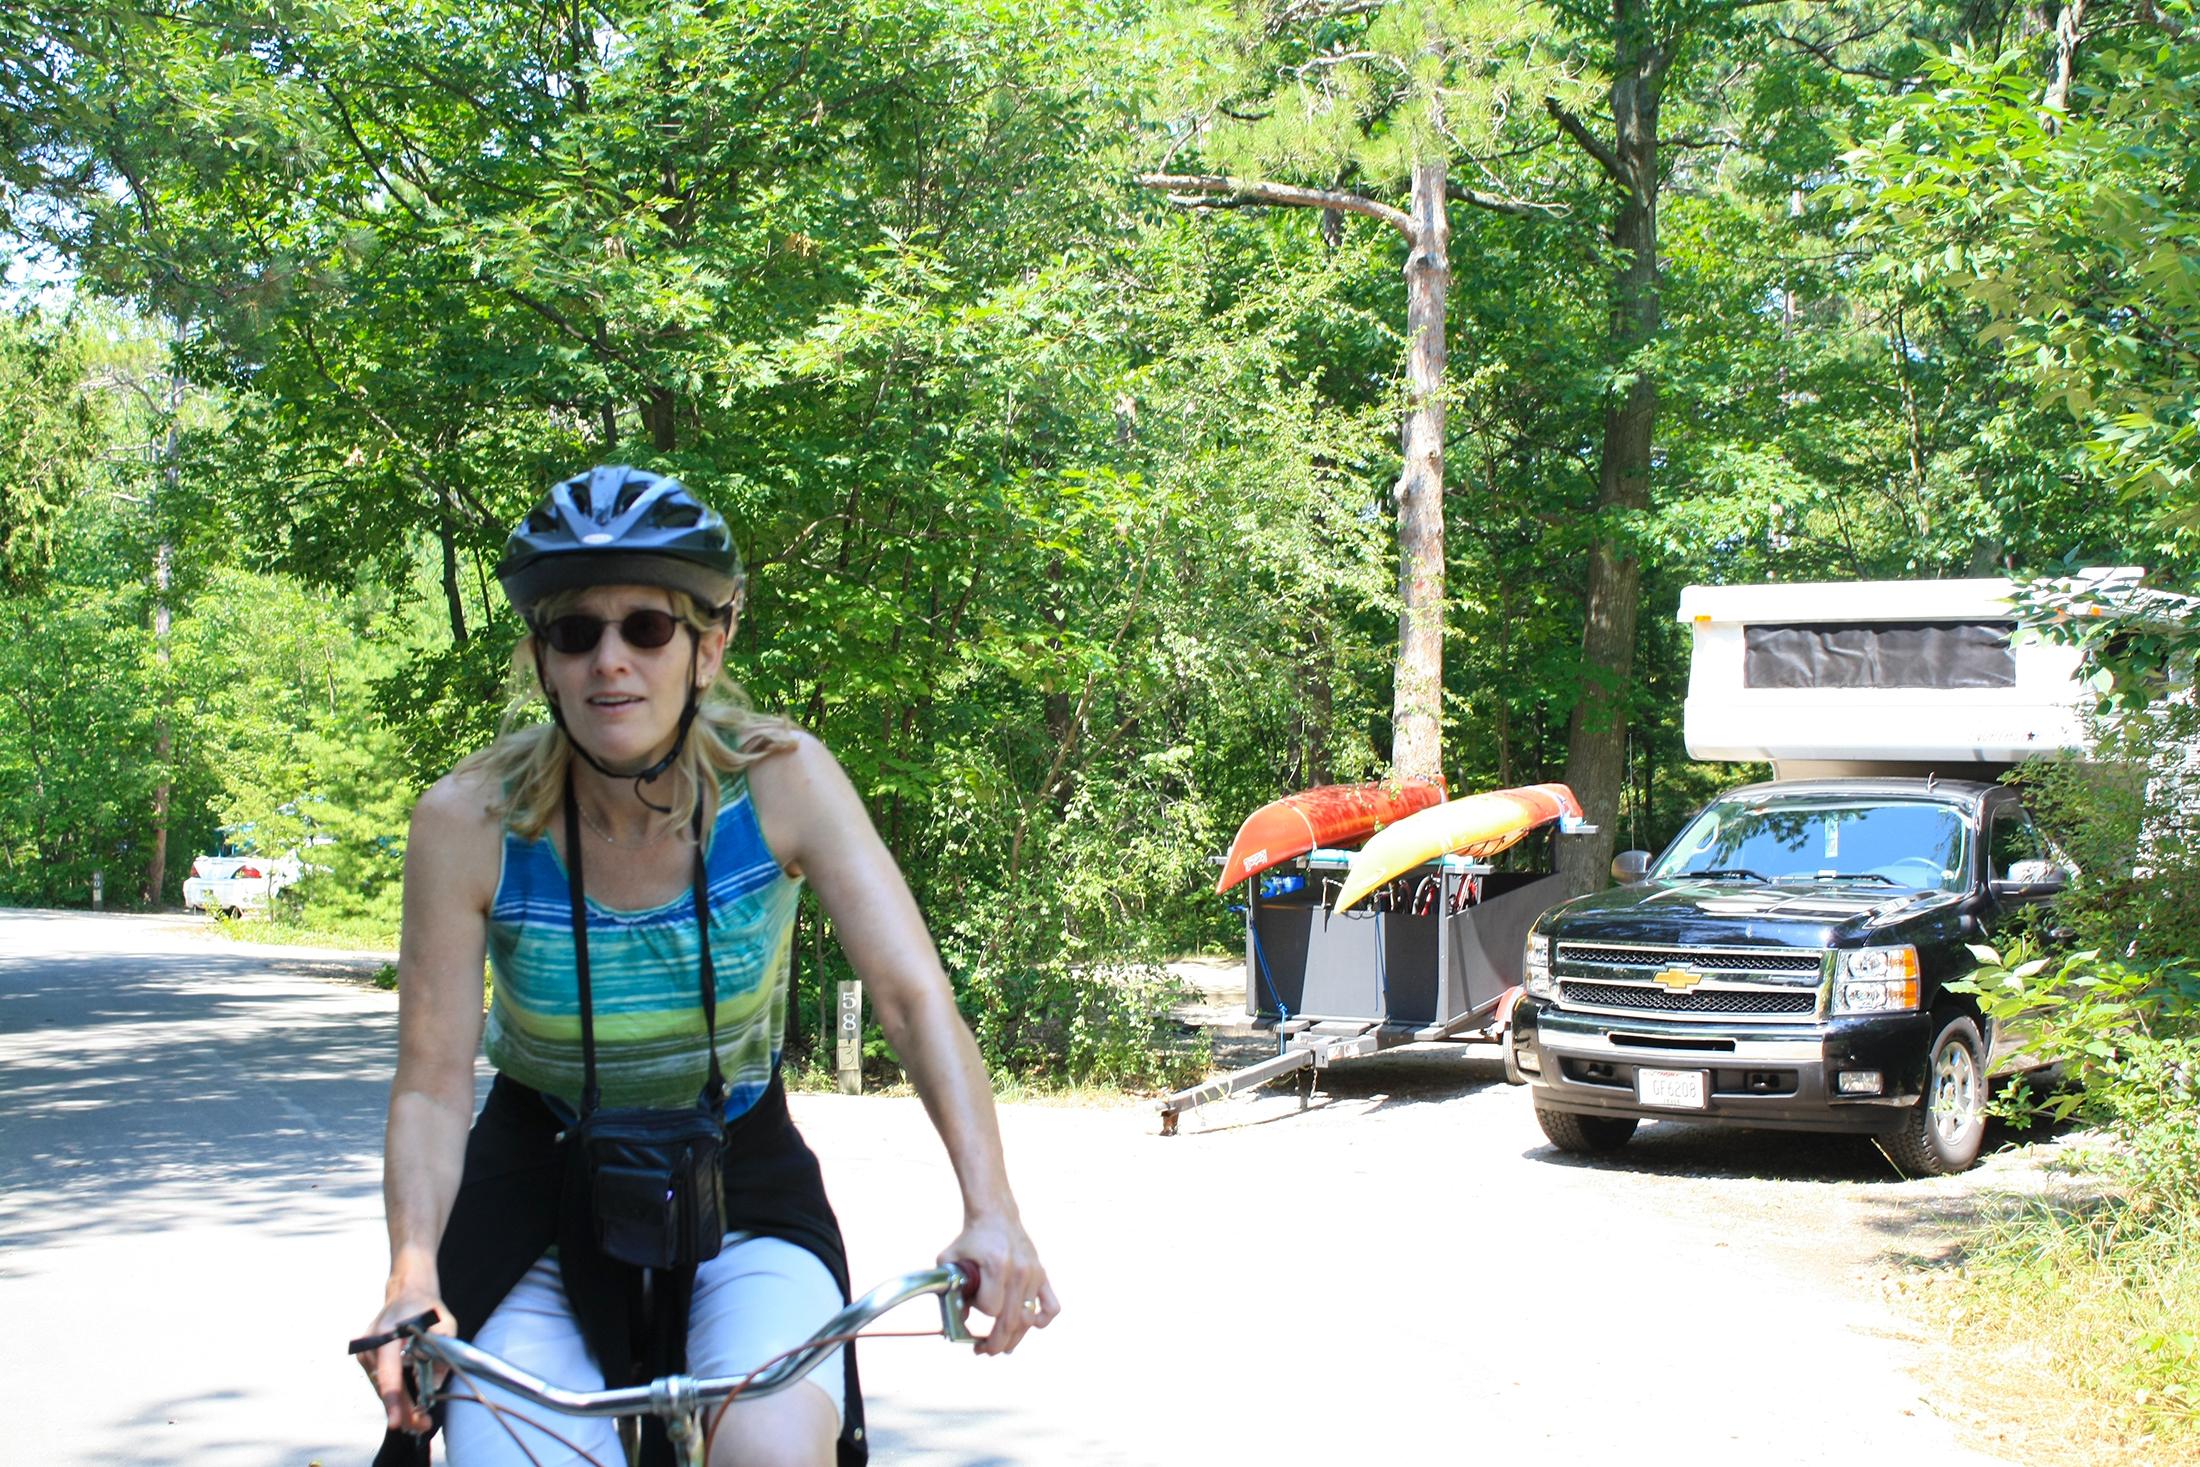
{"x": 1942, "y": 1134}
{"x": 1585, "y": 1135}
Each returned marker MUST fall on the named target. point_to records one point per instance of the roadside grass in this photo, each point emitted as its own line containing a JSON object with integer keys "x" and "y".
{"x": 2072, "y": 1330}
{"x": 1179, "y": 1060}
{"x": 309, "y": 930}
{"x": 804, "y": 1078}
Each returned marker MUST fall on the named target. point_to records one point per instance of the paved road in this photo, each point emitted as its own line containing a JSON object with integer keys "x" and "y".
{"x": 189, "y": 1228}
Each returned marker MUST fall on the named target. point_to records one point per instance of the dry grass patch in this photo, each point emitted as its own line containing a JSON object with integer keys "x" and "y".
{"x": 2065, "y": 1332}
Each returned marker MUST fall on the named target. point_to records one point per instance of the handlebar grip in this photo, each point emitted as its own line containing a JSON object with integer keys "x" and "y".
{"x": 419, "y": 1324}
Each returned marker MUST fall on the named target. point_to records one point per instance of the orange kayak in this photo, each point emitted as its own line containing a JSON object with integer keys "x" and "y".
{"x": 1326, "y": 815}
{"x": 1476, "y": 827}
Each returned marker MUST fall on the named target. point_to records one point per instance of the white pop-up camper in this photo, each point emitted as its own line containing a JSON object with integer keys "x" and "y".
{"x": 1877, "y": 677}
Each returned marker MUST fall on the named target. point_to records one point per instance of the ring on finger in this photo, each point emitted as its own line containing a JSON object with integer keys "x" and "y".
{"x": 1031, "y": 1306}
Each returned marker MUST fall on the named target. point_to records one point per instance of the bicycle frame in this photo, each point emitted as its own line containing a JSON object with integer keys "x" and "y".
{"x": 680, "y": 1401}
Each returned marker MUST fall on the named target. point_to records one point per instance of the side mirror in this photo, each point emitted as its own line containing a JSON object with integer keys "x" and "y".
{"x": 2031, "y": 881}
{"x": 1629, "y": 867}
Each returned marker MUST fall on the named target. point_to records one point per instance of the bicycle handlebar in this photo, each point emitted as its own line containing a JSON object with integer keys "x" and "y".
{"x": 674, "y": 1394}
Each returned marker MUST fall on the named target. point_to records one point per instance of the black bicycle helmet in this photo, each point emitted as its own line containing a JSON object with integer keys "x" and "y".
{"x": 617, "y": 525}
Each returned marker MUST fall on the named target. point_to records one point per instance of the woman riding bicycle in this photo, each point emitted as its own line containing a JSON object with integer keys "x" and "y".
{"x": 601, "y": 888}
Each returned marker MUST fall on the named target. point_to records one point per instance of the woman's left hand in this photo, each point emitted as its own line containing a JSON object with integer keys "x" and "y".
{"x": 1012, "y": 1283}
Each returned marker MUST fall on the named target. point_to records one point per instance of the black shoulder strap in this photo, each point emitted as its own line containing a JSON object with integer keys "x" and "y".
{"x": 590, "y": 1095}
{"x": 714, "y": 1089}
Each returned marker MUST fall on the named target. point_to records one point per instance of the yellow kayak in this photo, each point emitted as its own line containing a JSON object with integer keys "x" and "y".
{"x": 1476, "y": 827}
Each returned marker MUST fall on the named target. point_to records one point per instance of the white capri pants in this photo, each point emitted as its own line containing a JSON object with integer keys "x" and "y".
{"x": 757, "y": 1298}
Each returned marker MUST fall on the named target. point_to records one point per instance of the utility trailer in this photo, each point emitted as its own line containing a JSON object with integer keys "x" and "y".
{"x": 1433, "y": 955}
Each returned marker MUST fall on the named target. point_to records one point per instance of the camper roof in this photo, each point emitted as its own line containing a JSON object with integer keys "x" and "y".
{"x": 1856, "y": 677}
{"x": 1789, "y": 602}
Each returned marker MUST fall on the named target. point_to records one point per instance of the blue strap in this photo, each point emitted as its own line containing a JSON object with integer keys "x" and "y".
{"x": 1382, "y": 967}
{"x": 1260, "y": 958}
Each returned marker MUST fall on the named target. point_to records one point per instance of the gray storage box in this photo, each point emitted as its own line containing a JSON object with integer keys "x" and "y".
{"x": 1303, "y": 961}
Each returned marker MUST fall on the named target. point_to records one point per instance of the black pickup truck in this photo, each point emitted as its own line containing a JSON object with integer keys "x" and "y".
{"x": 1785, "y": 963}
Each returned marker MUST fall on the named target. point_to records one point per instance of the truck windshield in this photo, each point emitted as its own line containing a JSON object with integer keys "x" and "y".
{"x": 1908, "y": 843}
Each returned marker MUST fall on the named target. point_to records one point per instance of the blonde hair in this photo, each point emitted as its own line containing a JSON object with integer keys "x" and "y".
{"x": 528, "y": 762}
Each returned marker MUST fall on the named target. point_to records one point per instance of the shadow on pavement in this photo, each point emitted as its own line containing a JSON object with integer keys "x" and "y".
{"x": 1411, "y": 1075}
{"x": 1694, "y": 1149}
{"x": 1688, "y": 1149}
{"x": 139, "y": 1091}
{"x": 933, "y": 1436}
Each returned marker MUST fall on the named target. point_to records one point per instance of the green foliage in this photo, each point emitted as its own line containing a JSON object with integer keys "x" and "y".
{"x": 2123, "y": 1023}
{"x": 1068, "y": 514}
{"x": 50, "y": 435}
{"x": 2066, "y": 237}
{"x": 1357, "y": 92}
{"x": 2122, "y": 1014}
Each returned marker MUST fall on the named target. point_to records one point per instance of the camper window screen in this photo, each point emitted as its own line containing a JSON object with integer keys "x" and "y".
{"x": 1915, "y": 654}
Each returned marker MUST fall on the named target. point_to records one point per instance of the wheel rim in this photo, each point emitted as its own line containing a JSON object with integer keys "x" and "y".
{"x": 1956, "y": 1100}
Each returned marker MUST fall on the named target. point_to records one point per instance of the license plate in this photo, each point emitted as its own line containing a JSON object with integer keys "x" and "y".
{"x": 1677, "y": 1089}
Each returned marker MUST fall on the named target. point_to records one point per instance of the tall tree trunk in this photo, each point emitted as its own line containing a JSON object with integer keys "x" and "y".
{"x": 1596, "y": 739}
{"x": 1417, "y": 707}
{"x": 1059, "y": 708}
{"x": 1320, "y": 708}
{"x": 659, "y": 411}
{"x": 156, "y": 865}
{"x": 453, "y": 600}
{"x": 2067, "y": 27}
{"x": 1417, "y": 716}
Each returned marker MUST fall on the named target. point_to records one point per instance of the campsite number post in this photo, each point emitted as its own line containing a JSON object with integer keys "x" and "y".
{"x": 850, "y": 1036}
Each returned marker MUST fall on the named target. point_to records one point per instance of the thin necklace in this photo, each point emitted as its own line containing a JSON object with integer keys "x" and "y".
{"x": 619, "y": 845}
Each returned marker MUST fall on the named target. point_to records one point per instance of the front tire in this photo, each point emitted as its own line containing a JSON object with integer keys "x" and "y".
{"x": 1585, "y": 1135}
{"x": 1943, "y": 1134}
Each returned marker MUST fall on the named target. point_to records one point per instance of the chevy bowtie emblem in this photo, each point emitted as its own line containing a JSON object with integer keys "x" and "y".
{"x": 1680, "y": 980}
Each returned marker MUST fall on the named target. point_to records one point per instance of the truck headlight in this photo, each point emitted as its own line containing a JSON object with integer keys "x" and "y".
{"x": 1535, "y": 966}
{"x": 1876, "y": 980}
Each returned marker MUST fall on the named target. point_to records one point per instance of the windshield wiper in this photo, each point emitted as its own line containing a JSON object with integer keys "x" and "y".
{"x": 1742, "y": 873}
{"x": 1864, "y": 876}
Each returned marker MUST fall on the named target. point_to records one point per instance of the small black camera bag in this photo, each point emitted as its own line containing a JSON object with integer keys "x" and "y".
{"x": 656, "y": 1188}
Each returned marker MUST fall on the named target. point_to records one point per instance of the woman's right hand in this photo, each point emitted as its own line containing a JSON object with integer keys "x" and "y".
{"x": 385, "y": 1367}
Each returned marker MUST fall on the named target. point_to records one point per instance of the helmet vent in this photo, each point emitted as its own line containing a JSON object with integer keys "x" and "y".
{"x": 678, "y": 516}
{"x": 626, "y": 498}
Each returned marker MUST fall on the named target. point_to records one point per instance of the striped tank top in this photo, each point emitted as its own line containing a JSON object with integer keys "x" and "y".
{"x": 644, "y": 970}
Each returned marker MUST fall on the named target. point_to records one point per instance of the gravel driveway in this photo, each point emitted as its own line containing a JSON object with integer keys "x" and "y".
{"x": 1403, "y": 1272}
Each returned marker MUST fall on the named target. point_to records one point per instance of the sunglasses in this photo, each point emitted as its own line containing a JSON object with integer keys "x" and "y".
{"x": 580, "y": 631}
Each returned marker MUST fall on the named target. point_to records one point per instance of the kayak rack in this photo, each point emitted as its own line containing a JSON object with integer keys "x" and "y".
{"x": 1433, "y": 955}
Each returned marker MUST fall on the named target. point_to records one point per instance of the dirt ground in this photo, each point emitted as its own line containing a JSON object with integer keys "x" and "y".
{"x": 1830, "y": 1209}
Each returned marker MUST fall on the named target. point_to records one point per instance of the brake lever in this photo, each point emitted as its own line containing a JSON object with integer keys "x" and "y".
{"x": 955, "y": 1304}
{"x": 419, "y": 1324}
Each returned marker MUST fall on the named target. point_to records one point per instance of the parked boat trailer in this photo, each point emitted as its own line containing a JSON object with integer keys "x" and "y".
{"x": 1434, "y": 957}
